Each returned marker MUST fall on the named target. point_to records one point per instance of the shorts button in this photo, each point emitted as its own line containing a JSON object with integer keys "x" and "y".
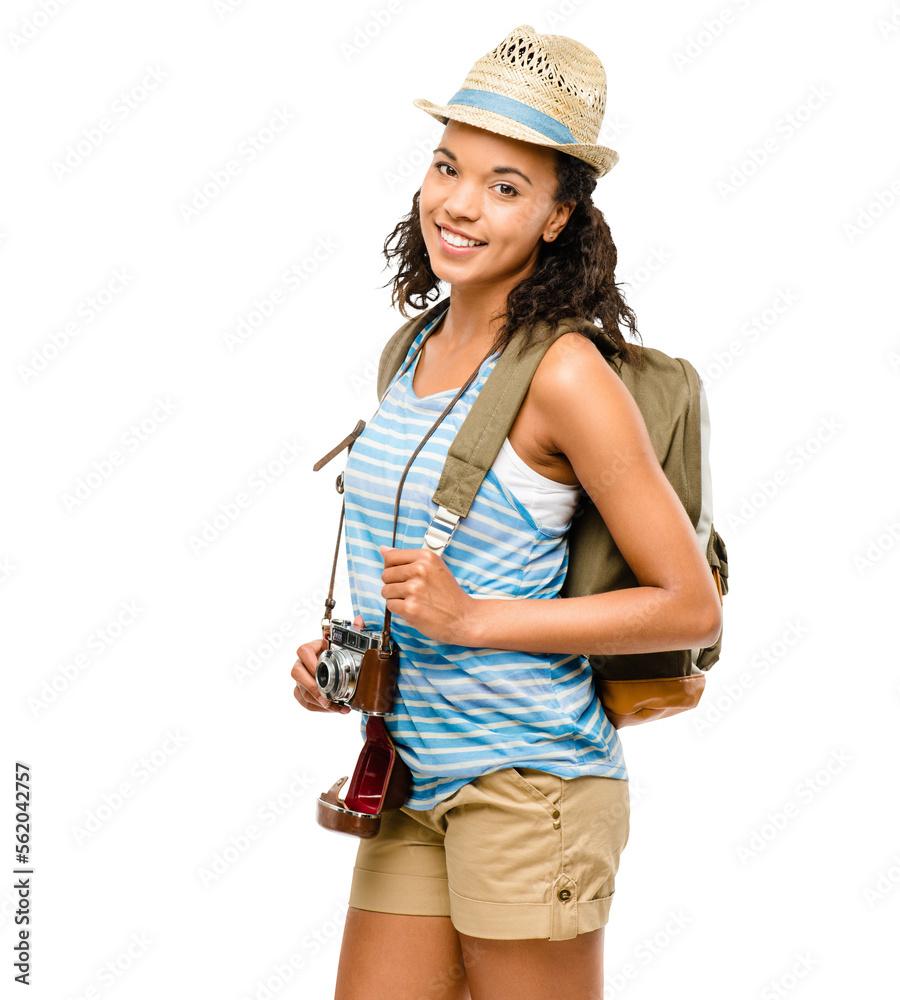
{"x": 564, "y": 894}
{"x": 555, "y": 814}
{"x": 556, "y": 825}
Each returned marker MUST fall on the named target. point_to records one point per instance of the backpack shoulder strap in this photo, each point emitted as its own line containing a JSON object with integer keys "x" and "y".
{"x": 397, "y": 348}
{"x": 481, "y": 436}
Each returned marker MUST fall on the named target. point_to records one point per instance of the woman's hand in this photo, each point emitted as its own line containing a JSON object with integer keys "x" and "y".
{"x": 421, "y": 590}
{"x": 304, "y": 674}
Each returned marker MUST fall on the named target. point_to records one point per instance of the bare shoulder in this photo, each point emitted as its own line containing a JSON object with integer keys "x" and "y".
{"x": 588, "y": 415}
{"x": 573, "y": 380}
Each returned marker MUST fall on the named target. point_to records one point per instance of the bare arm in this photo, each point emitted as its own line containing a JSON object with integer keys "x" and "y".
{"x": 596, "y": 424}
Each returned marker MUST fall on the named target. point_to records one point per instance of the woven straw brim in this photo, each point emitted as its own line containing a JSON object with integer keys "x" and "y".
{"x": 601, "y": 158}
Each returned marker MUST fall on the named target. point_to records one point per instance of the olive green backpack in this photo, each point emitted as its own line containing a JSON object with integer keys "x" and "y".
{"x": 635, "y": 687}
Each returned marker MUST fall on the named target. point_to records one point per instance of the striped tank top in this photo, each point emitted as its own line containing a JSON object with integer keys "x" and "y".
{"x": 461, "y": 712}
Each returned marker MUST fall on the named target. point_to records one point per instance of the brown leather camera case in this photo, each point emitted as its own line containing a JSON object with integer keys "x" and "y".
{"x": 381, "y": 780}
{"x": 376, "y": 682}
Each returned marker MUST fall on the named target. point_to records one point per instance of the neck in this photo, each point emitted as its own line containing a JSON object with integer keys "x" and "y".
{"x": 473, "y": 319}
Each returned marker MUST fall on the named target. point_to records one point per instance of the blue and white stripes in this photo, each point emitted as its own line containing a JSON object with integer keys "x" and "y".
{"x": 461, "y": 712}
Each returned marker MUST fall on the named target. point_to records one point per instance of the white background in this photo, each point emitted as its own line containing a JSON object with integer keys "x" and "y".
{"x": 764, "y": 845}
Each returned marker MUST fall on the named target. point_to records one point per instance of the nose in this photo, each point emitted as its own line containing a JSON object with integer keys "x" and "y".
{"x": 464, "y": 201}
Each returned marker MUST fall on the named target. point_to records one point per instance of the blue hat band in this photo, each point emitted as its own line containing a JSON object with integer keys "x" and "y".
{"x": 519, "y": 112}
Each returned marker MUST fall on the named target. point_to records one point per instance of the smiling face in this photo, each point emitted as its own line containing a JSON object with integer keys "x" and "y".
{"x": 496, "y": 191}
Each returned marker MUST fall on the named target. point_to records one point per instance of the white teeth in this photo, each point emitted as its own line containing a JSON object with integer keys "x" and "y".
{"x": 458, "y": 241}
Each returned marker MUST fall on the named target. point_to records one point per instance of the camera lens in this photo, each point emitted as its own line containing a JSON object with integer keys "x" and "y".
{"x": 336, "y": 672}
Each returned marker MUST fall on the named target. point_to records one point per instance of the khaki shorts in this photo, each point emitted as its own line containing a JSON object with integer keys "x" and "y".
{"x": 516, "y": 853}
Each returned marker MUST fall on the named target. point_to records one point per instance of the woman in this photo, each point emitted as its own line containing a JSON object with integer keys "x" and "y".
{"x": 495, "y": 879}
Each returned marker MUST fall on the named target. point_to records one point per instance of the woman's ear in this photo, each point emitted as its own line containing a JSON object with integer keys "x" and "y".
{"x": 566, "y": 208}
{"x": 558, "y": 222}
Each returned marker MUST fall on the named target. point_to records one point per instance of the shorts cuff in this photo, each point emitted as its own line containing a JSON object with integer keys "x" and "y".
{"x": 393, "y": 893}
{"x": 554, "y": 921}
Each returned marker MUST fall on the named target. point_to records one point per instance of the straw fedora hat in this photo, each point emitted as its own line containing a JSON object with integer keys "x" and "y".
{"x": 545, "y": 89}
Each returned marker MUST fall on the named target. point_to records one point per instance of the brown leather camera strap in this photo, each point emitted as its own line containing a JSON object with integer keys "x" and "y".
{"x": 339, "y": 484}
{"x": 347, "y": 442}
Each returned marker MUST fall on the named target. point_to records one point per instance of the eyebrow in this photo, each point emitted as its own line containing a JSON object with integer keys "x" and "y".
{"x": 496, "y": 170}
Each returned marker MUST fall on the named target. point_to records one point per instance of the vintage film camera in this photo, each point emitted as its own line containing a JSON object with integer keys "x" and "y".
{"x": 351, "y": 672}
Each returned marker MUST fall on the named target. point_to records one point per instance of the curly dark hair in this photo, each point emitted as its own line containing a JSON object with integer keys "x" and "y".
{"x": 575, "y": 275}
